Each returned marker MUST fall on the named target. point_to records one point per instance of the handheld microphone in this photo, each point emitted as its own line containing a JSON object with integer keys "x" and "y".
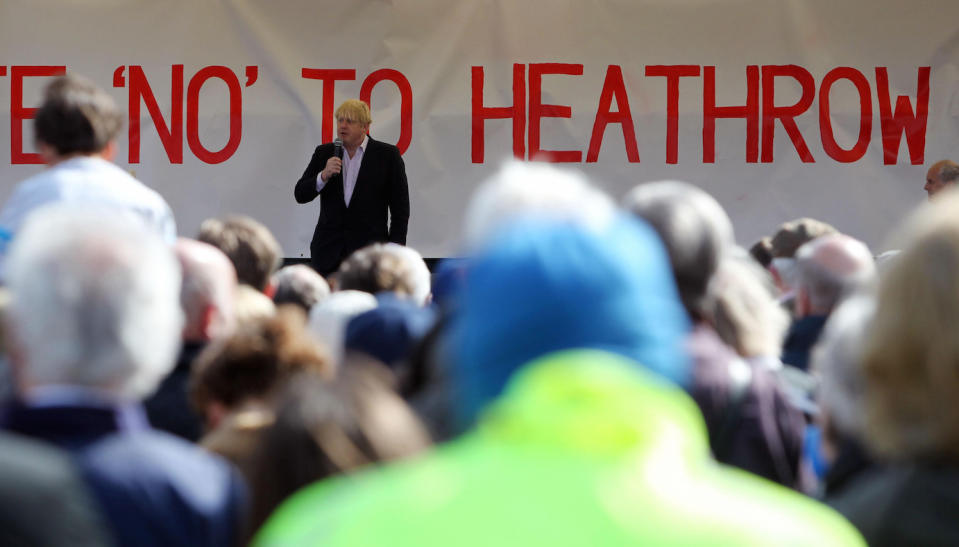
{"x": 338, "y": 148}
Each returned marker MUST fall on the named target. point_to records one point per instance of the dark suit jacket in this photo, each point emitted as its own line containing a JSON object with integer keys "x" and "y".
{"x": 379, "y": 209}
{"x": 153, "y": 488}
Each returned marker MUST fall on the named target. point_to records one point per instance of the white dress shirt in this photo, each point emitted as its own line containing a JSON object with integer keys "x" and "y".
{"x": 351, "y": 168}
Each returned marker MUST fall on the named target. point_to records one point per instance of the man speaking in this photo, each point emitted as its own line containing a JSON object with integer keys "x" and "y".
{"x": 365, "y": 197}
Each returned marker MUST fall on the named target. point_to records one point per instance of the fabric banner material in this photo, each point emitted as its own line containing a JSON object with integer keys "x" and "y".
{"x": 832, "y": 110}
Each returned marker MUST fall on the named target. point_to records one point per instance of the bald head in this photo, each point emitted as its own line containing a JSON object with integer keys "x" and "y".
{"x": 940, "y": 176}
{"x": 829, "y": 268}
{"x": 208, "y": 291}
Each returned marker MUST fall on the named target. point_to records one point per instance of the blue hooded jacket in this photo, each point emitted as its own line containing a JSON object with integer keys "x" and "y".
{"x": 542, "y": 285}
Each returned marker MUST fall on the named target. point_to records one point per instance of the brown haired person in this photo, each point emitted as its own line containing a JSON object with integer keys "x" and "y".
{"x": 234, "y": 380}
{"x": 75, "y": 130}
{"x": 322, "y": 430}
{"x": 364, "y": 189}
{"x": 249, "y": 245}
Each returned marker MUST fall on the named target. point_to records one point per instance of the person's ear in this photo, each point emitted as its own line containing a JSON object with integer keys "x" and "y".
{"x": 47, "y": 153}
{"x": 109, "y": 152}
{"x": 802, "y": 305}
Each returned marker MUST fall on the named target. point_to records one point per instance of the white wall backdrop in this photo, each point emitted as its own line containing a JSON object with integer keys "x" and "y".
{"x": 181, "y": 63}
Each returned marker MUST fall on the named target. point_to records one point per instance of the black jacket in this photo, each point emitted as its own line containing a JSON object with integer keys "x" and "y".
{"x": 379, "y": 209}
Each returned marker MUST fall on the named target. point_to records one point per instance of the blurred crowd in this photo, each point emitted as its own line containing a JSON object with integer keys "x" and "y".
{"x": 592, "y": 371}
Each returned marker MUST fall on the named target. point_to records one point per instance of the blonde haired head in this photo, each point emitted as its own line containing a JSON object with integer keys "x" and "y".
{"x": 354, "y": 110}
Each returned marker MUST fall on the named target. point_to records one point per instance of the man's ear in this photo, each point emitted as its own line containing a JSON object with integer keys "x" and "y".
{"x": 207, "y": 321}
{"x": 47, "y": 153}
{"x": 109, "y": 152}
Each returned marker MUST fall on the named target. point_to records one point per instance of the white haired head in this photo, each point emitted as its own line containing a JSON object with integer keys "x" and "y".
{"x": 386, "y": 267}
{"x": 417, "y": 271}
{"x": 208, "y": 293}
{"x": 95, "y": 302}
{"x": 521, "y": 190}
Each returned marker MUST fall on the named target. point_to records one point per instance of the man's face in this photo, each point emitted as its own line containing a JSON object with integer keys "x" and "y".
{"x": 933, "y": 183}
{"x": 351, "y": 131}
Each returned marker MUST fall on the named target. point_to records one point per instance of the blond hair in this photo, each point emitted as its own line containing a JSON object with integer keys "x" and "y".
{"x": 355, "y": 110}
{"x": 911, "y": 357}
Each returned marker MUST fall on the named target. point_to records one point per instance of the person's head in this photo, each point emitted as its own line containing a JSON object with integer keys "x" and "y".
{"x": 299, "y": 284}
{"x": 322, "y": 430}
{"x": 695, "y": 229}
{"x": 352, "y": 122}
{"x": 250, "y": 365}
{"x": 829, "y": 268}
{"x": 545, "y": 285}
{"x": 522, "y": 190}
{"x": 249, "y": 244}
{"x": 793, "y": 234}
{"x": 251, "y": 305}
{"x": 941, "y": 175}
{"x": 910, "y": 356}
{"x": 76, "y": 118}
{"x": 786, "y": 241}
{"x": 208, "y": 293}
{"x": 386, "y": 267}
{"x": 743, "y": 308}
{"x": 95, "y": 302}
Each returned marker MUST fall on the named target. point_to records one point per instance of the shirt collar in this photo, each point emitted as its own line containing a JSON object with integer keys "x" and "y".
{"x": 62, "y": 394}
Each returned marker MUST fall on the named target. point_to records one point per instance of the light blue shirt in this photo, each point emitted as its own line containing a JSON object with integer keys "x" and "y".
{"x": 85, "y": 181}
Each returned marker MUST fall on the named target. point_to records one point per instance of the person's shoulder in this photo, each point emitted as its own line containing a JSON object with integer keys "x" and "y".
{"x": 381, "y": 146}
{"x": 148, "y": 479}
{"x": 49, "y": 177}
{"x": 27, "y": 459}
{"x": 153, "y": 454}
{"x": 31, "y": 193}
{"x": 756, "y": 508}
{"x": 134, "y": 188}
{"x": 325, "y": 148}
{"x": 890, "y": 502}
{"x": 365, "y": 507}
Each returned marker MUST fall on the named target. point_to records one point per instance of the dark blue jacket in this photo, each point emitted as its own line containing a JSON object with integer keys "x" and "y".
{"x": 802, "y": 336}
{"x": 153, "y": 488}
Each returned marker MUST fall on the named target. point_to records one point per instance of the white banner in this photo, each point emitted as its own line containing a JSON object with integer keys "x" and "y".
{"x": 780, "y": 109}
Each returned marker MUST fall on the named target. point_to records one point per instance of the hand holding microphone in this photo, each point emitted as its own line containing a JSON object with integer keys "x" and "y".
{"x": 334, "y": 165}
